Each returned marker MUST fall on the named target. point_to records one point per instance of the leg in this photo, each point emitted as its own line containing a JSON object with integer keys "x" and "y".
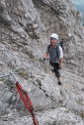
{"x": 57, "y": 73}
{"x": 52, "y": 64}
{"x": 56, "y": 70}
{"x": 58, "y": 79}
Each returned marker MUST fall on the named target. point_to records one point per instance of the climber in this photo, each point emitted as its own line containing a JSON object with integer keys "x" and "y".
{"x": 55, "y": 54}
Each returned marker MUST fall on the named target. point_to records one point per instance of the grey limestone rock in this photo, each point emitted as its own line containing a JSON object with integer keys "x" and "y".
{"x": 25, "y": 28}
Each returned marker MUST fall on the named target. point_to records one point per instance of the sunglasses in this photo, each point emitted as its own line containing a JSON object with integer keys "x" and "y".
{"x": 51, "y": 38}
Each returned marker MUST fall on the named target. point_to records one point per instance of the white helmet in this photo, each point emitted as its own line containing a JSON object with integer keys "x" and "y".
{"x": 54, "y": 35}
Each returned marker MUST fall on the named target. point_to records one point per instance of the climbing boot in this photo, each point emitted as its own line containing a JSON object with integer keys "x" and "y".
{"x": 59, "y": 83}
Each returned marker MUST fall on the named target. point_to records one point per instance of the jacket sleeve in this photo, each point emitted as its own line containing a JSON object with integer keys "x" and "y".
{"x": 61, "y": 52}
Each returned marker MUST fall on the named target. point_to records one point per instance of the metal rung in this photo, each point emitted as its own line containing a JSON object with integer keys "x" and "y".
{"x": 14, "y": 72}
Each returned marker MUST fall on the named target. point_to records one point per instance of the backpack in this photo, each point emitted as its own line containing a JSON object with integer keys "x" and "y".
{"x": 61, "y": 44}
{"x": 57, "y": 51}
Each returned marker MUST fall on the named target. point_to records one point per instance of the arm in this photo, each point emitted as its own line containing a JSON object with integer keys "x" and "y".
{"x": 61, "y": 56}
{"x": 46, "y": 56}
{"x": 60, "y": 62}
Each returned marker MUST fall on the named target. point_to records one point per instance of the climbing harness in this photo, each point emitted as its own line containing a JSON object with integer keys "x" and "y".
{"x": 23, "y": 95}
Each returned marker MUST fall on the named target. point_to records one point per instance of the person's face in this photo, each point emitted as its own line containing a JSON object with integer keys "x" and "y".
{"x": 53, "y": 42}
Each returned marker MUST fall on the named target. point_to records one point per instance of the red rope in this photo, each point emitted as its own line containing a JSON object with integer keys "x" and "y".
{"x": 35, "y": 120}
{"x": 27, "y": 101}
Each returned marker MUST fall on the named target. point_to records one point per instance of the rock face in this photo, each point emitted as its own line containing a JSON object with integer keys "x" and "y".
{"x": 25, "y": 27}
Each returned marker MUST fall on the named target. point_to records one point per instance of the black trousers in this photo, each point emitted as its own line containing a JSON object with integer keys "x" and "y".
{"x": 56, "y": 68}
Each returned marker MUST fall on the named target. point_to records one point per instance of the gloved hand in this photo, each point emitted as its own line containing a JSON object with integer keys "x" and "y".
{"x": 45, "y": 59}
